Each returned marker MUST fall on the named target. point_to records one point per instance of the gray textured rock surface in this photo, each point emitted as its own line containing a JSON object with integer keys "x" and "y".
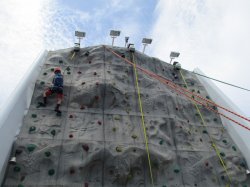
{"x": 99, "y": 140}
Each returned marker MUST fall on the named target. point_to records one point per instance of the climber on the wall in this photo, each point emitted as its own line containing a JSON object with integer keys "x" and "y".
{"x": 56, "y": 88}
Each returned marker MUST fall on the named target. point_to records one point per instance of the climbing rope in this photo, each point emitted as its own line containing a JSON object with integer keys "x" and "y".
{"x": 221, "y": 81}
{"x": 72, "y": 55}
{"x": 176, "y": 87}
{"x": 142, "y": 119}
{"x": 212, "y": 140}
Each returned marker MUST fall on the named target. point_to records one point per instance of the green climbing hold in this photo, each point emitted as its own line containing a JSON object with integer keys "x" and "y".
{"x": 222, "y": 177}
{"x": 207, "y": 97}
{"x": 198, "y": 91}
{"x": 185, "y": 86}
{"x": 42, "y": 82}
{"x": 31, "y": 147}
{"x": 68, "y": 68}
{"x": 68, "y": 72}
{"x": 118, "y": 149}
{"x": 52, "y": 69}
{"x": 134, "y": 136}
{"x": 44, "y": 73}
{"x": 204, "y": 131}
{"x": 51, "y": 172}
{"x": 32, "y": 129}
{"x": 234, "y": 148}
{"x": 53, "y": 132}
{"x": 33, "y": 115}
{"x": 47, "y": 154}
{"x": 161, "y": 142}
{"x": 222, "y": 154}
{"x": 176, "y": 170}
{"x": 60, "y": 61}
{"x": 17, "y": 169}
{"x": 113, "y": 129}
{"x": 224, "y": 141}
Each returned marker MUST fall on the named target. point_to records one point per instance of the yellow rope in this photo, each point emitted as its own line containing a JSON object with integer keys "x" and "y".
{"x": 213, "y": 143}
{"x": 72, "y": 56}
{"x": 142, "y": 119}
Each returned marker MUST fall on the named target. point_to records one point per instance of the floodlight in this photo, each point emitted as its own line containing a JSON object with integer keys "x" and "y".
{"x": 247, "y": 172}
{"x": 115, "y": 33}
{"x": 80, "y": 34}
{"x": 145, "y": 42}
{"x": 174, "y": 55}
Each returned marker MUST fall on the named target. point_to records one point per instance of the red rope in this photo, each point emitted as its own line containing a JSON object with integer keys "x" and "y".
{"x": 176, "y": 87}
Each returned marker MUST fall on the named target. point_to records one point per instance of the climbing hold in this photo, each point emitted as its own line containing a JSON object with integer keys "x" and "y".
{"x": 33, "y": 115}
{"x": 215, "y": 119}
{"x": 99, "y": 122}
{"x": 222, "y": 154}
{"x": 116, "y": 117}
{"x": 207, "y": 97}
{"x": 32, "y": 129}
{"x": 60, "y": 61}
{"x": 113, "y": 129}
{"x": 42, "y": 82}
{"x": 44, "y": 73}
{"x": 96, "y": 97}
{"x": 176, "y": 108}
{"x": 234, "y": 148}
{"x": 95, "y": 73}
{"x": 83, "y": 83}
{"x": 68, "y": 68}
{"x": 71, "y": 136}
{"x": 200, "y": 140}
{"x": 70, "y": 116}
{"x": 118, "y": 149}
{"x": 31, "y": 147}
{"x": 68, "y": 72}
{"x": 222, "y": 177}
{"x": 207, "y": 164}
{"x": 198, "y": 91}
{"x": 89, "y": 62}
{"x": 51, "y": 172}
{"x": 224, "y": 141}
{"x": 47, "y": 154}
{"x": 79, "y": 72}
{"x": 193, "y": 90}
{"x": 53, "y": 132}
{"x": 134, "y": 136}
{"x": 17, "y": 169}
{"x": 204, "y": 131}
{"x": 85, "y": 147}
{"x": 82, "y": 107}
{"x": 18, "y": 151}
{"x": 97, "y": 83}
{"x": 161, "y": 142}
{"x": 72, "y": 171}
{"x": 52, "y": 69}
{"x": 192, "y": 83}
{"x": 86, "y": 184}
{"x": 185, "y": 86}
{"x": 193, "y": 96}
{"x": 176, "y": 170}
{"x": 196, "y": 114}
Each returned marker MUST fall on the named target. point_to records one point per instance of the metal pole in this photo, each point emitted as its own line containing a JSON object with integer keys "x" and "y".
{"x": 144, "y": 48}
{"x": 171, "y": 60}
{"x": 113, "y": 39}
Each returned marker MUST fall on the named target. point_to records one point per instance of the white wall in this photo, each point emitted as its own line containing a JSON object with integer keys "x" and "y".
{"x": 240, "y": 135}
{"x": 13, "y": 110}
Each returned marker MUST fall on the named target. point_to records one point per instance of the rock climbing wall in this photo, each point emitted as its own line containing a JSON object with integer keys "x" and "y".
{"x": 99, "y": 138}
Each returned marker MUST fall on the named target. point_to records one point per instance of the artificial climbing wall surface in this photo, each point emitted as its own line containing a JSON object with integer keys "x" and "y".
{"x": 99, "y": 139}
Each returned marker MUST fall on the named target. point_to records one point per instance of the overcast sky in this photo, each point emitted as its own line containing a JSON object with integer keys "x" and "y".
{"x": 210, "y": 34}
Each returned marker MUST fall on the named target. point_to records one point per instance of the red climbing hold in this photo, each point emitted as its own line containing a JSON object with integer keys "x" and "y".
{"x": 71, "y": 136}
{"x": 96, "y": 97}
{"x": 85, "y": 147}
{"x": 99, "y": 122}
{"x": 207, "y": 164}
{"x": 70, "y": 116}
{"x": 82, "y": 107}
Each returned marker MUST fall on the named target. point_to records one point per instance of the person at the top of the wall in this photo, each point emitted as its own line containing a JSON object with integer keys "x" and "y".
{"x": 56, "y": 88}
